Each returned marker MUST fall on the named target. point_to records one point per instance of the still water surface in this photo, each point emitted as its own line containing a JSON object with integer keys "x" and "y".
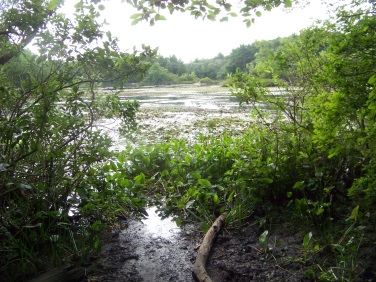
{"x": 179, "y": 112}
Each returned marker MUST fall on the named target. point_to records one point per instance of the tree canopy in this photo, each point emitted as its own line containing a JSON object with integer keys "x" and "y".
{"x": 152, "y": 10}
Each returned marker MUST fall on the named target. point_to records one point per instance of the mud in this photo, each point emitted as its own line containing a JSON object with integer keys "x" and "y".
{"x": 152, "y": 249}
{"x": 240, "y": 257}
{"x": 157, "y": 250}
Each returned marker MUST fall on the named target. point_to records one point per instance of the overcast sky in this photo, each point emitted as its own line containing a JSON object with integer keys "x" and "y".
{"x": 188, "y": 38}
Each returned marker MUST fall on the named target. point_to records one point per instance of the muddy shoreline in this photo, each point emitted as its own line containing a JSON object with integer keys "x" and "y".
{"x": 135, "y": 255}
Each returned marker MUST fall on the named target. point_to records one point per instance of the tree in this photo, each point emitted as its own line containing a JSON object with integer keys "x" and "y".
{"x": 172, "y": 64}
{"x": 240, "y": 57}
{"x": 349, "y": 110}
{"x": 158, "y": 75}
{"x": 54, "y": 191}
{"x": 324, "y": 121}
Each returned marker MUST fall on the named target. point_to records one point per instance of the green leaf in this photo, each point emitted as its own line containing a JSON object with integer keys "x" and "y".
{"x": 159, "y": 17}
{"x": 288, "y": 3}
{"x": 97, "y": 243}
{"x": 125, "y": 183}
{"x": 319, "y": 211}
{"x": 170, "y": 7}
{"x": 146, "y": 160}
{"x": 298, "y": 185}
{"x": 135, "y": 16}
{"x": 372, "y": 106}
{"x": 354, "y": 213}
{"x": 307, "y": 240}
{"x": 109, "y": 35}
{"x": 216, "y": 199}
{"x": 165, "y": 172}
{"x": 52, "y": 5}
{"x": 101, "y": 7}
{"x": 266, "y": 180}
{"x": 121, "y": 158}
{"x": 98, "y": 226}
{"x": 231, "y": 196}
{"x": 79, "y": 5}
{"x": 140, "y": 179}
{"x": 339, "y": 248}
{"x": 113, "y": 166}
{"x": 196, "y": 175}
{"x": 189, "y": 204}
{"x": 263, "y": 236}
{"x": 333, "y": 154}
{"x": 134, "y": 22}
{"x": 258, "y": 13}
{"x": 204, "y": 182}
{"x": 372, "y": 80}
{"x": 211, "y": 16}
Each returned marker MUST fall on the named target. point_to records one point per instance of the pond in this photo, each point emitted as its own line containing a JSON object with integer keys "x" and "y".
{"x": 179, "y": 112}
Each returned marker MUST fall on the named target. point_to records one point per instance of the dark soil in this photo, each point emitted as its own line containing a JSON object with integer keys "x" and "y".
{"x": 240, "y": 257}
{"x": 136, "y": 255}
{"x": 157, "y": 250}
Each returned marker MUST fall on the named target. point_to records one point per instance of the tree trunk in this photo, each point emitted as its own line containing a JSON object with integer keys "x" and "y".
{"x": 198, "y": 269}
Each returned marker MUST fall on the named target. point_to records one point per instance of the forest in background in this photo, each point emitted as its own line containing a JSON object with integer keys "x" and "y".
{"x": 171, "y": 70}
{"x": 308, "y": 160}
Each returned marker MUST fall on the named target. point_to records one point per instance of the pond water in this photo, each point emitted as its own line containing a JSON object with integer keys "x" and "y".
{"x": 160, "y": 250}
{"x": 156, "y": 227}
{"x": 198, "y": 97}
{"x": 179, "y": 112}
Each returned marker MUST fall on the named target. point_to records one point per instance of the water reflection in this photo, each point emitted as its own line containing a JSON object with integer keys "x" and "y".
{"x": 176, "y": 113}
{"x": 158, "y": 227}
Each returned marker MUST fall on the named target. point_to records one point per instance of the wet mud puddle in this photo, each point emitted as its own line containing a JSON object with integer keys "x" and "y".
{"x": 157, "y": 250}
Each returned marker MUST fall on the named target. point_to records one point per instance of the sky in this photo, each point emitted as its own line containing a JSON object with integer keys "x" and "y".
{"x": 188, "y": 38}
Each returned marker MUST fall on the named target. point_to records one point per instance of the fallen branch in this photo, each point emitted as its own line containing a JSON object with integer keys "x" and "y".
{"x": 198, "y": 269}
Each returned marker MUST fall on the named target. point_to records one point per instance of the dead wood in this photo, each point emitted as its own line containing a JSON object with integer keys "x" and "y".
{"x": 198, "y": 269}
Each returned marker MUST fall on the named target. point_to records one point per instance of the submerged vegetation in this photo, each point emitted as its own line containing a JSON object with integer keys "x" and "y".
{"x": 306, "y": 157}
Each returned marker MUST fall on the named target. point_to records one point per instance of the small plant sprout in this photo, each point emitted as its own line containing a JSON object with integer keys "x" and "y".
{"x": 262, "y": 240}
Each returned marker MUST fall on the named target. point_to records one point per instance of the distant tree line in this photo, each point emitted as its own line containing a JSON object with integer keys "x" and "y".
{"x": 171, "y": 70}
